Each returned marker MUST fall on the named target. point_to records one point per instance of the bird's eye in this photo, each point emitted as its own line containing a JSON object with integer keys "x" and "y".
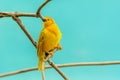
{"x": 48, "y": 19}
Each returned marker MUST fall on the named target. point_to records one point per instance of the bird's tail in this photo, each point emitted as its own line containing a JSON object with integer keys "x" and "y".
{"x": 41, "y": 64}
{"x": 41, "y": 56}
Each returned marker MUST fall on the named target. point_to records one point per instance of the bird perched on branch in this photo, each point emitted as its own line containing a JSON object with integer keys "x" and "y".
{"x": 48, "y": 41}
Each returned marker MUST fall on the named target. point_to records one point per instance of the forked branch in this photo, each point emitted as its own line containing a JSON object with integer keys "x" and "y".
{"x": 18, "y": 14}
{"x": 18, "y": 21}
{"x": 38, "y": 13}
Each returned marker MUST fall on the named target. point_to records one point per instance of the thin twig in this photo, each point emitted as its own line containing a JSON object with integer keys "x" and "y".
{"x": 105, "y": 63}
{"x": 18, "y": 14}
{"x": 53, "y": 65}
{"x": 57, "y": 69}
{"x": 18, "y": 21}
{"x": 49, "y": 56}
{"x": 43, "y": 75}
{"x": 42, "y": 71}
{"x": 38, "y": 14}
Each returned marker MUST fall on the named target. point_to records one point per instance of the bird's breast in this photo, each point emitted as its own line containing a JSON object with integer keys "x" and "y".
{"x": 52, "y": 39}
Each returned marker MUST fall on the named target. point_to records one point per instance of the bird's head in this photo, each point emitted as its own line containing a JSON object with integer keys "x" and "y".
{"x": 48, "y": 21}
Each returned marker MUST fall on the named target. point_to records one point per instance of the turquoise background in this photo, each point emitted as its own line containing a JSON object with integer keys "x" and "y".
{"x": 91, "y": 32}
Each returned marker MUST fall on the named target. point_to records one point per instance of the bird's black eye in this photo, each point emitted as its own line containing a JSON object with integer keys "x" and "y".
{"x": 48, "y": 19}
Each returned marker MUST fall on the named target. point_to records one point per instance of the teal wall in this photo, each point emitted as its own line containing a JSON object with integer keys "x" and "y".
{"x": 91, "y": 32}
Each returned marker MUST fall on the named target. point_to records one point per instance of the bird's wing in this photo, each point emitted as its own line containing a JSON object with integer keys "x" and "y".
{"x": 40, "y": 43}
{"x": 40, "y": 51}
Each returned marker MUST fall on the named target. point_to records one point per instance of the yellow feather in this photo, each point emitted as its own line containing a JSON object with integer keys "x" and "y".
{"x": 49, "y": 39}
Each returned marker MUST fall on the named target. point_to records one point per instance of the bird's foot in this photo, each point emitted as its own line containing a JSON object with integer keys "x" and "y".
{"x": 51, "y": 53}
{"x": 59, "y": 47}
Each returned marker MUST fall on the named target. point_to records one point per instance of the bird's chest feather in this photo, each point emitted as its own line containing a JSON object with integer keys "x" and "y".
{"x": 52, "y": 38}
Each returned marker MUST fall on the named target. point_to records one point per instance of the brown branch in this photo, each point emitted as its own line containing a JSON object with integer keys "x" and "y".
{"x": 49, "y": 56}
{"x": 105, "y": 63}
{"x": 18, "y": 21}
{"x": 38, "y": 14}
{"x": 21, "y": 14}
{"x": 18, "y": 14}
{"x": 57, "y": 69}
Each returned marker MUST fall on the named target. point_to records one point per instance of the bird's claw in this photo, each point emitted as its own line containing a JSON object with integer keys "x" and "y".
{"x": 59, "y": 47}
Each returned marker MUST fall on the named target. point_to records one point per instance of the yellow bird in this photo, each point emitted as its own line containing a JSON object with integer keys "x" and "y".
{"x": 49, "y": 39}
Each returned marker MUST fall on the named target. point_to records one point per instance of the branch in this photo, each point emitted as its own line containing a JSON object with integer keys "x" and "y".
{"x": 21, "y": 14}
{"x": 57, "y": 69}
{"x": 18, "y": 21}
{"x": 18, "y": 14}
{"x": 38, "y": 14}
{"x": 64, "y": 65}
